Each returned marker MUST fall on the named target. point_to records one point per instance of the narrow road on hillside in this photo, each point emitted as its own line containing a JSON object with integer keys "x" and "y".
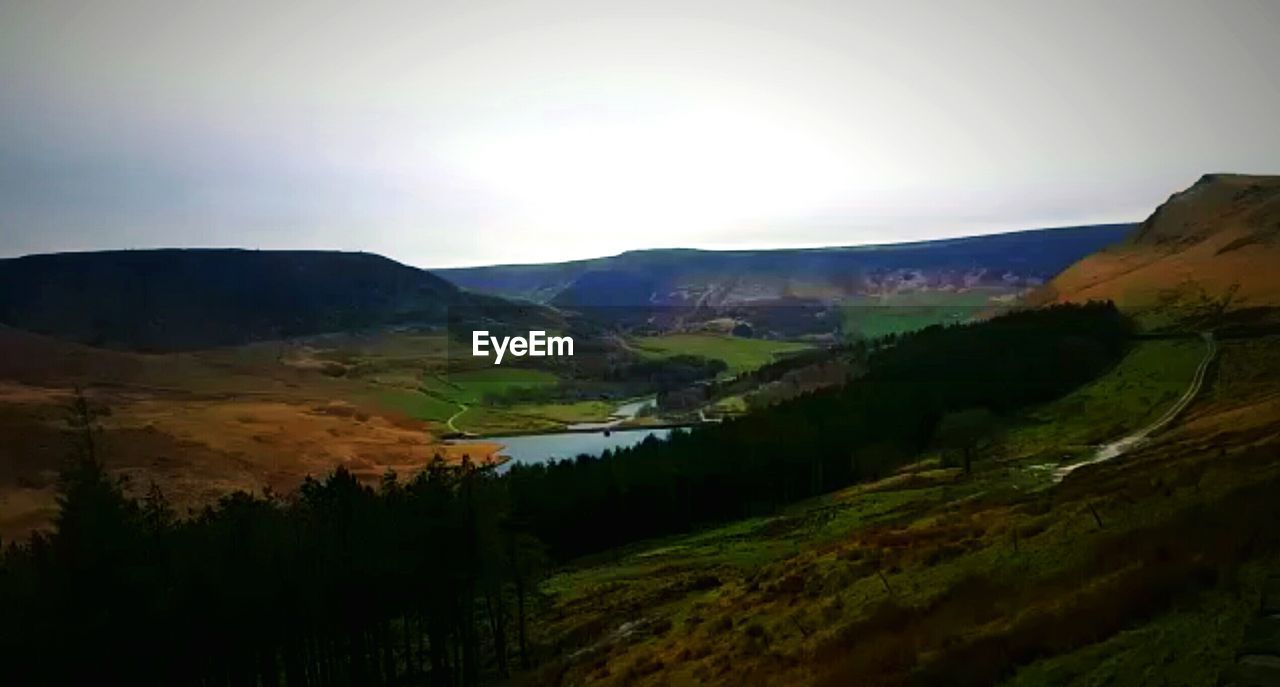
{"x": 1130, "y": 441}
{"x": 462, "y": 408}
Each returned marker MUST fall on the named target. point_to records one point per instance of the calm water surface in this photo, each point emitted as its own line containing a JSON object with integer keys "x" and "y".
{"x": 540, "y": 448}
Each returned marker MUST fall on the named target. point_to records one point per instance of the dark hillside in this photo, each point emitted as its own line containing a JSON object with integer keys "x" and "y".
{"x": 165, "y": 300}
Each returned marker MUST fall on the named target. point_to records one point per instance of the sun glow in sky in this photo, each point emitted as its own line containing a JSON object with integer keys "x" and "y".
{"x": 671, "y": 174}
{"x": 453, "y": 133}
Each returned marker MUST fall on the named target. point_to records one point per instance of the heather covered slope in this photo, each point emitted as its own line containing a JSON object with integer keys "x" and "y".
{"x": 1210, "y": 249}
{"x": 1142, "y": 570}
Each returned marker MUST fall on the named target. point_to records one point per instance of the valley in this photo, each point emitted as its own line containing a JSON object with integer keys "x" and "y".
{"x": 1043, "y": 458}
{"x": 792, "y": 343}
{"x": 209, "y": 419}
{"x": 203, "y": 424}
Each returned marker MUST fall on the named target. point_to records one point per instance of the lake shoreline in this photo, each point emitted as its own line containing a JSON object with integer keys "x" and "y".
{"x": 576, "y": 430}
{"x": 572, "y": 440}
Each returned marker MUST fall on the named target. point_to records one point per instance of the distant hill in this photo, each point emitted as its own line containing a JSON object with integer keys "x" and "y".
{"x": 166, "y": 300}
{"x": 995, "y": 266}
{"x": 1210, "y": 250}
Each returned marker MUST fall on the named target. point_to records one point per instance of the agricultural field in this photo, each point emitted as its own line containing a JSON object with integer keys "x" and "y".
{"x": 739, "y": 354}
{"x": 415, "y": 404}
{"x": 465, "y": 402}
{"x": 570, "y": 412}
{"x": 475, "y": 386}
{"x": 874, "y": 316}
{"x": 410, "y": 375}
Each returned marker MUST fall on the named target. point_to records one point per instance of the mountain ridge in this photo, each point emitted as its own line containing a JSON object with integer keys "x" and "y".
{"x": 1207, "y": 250}
{"x": 1005, "y": 263}
{"x": 178, "y": 298}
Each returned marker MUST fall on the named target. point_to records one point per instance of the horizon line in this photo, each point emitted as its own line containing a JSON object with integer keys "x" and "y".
{"x": 757, "y": 248}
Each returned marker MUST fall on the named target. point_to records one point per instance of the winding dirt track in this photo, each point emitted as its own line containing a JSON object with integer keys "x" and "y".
{"x": 1130, "y": 441}
{"x": 462, "y": 408}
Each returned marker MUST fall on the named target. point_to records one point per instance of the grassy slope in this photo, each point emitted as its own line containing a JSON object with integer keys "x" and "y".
{"x": 802, "y": 596}
{"x": 738, "y": 353}
{"x": 1133, "y": 394}
{"x": 876, "y": 316}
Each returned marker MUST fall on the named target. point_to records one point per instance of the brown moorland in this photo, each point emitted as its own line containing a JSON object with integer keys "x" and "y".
{"x": 199, "y": 425}
{"x": 1209, "y": 249}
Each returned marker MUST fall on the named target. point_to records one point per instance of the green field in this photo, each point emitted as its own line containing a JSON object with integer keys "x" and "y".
{"x": 410, "y": 377}
{"x": 741, "y": 355}
{"x": 440, "y": 397}
{"x": 474, "y": 386}
{"x": 871, "y": 317}
{"x": 416, "y": 404}
{"x": 734, "y": 405}
{"x": 528, "y": 417}
{"x": 568, "y": 412}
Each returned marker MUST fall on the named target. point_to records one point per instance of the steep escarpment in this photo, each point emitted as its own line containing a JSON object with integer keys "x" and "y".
{"x": 1209, "y": 250}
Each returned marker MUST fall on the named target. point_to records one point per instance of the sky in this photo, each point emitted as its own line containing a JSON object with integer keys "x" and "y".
{"x": 444, "y": 133}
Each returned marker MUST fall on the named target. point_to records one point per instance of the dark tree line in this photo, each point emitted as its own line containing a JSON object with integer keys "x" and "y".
{"x": 425, "y": 582}
{"x": 821, "y": 441}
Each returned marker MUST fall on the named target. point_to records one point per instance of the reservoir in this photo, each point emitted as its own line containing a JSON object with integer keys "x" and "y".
{"x": 590, "y": 438}
{"x": 541, "y": 448}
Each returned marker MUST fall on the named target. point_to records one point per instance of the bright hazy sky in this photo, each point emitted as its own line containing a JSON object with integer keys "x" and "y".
{"x": 457, "y": 133}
